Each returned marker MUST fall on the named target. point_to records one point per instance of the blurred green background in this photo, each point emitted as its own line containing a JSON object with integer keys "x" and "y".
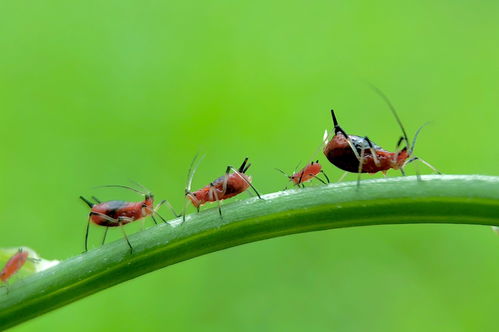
{"x": 100, "y": 92}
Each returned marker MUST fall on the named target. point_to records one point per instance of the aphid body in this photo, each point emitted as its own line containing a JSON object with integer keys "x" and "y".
{"x": 119, "y": 213}
{"x": 13, "y": 265}
{"x": 375, "y": 159}
{"x": 109, "y": 213}
{"x": 356, "y": 154}
{"x": 306, "y": 174}
{"x": 224, "y": 187}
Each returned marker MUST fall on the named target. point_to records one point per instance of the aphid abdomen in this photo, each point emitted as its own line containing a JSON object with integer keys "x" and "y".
{"x": 13, "y": 265}
{"x": 343, "y": 158}
{"x": 115, "y": 209}
{"x": 236, "y": 185}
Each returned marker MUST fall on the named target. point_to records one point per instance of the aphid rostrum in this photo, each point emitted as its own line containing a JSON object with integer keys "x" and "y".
{"x": 222, "y": 188}
{"x": 120, "y": 213}
{"x": 356, "y": 154}
{"x": 306, "y": 174}
{"x": 14, "y": 264}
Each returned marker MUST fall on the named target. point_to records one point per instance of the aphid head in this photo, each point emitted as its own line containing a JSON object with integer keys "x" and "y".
{"x": 193, "y": 198}
{"x": 149, "y": 198}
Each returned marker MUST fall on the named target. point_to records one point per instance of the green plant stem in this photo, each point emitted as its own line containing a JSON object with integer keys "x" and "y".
{"x": 436, "y": 199}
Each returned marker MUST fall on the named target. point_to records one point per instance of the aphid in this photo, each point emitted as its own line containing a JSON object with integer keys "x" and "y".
{"x": 14, "y": 264}
{"x": 120, "y": 213}
{"x": 356, "y": 154}
{"x": 224, "y": 187}
{"x": 307, "y": 173}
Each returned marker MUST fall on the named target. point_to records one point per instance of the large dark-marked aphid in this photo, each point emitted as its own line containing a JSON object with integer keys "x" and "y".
{"x": 306, "y": 174}
{"x": 119, "y": 213}
{"x": 222, "y": 188}
{"x": 357, "y": 154}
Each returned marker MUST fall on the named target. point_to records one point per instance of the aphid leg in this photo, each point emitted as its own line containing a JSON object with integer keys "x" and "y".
{"x": 120, "y": 222}
{"x": 155, "y": 210}
{"x": 402, "y": 171}
{"x": 249, "y": 183}
{"x": 301, "y": 178}
{"x": 213, "y": 194}
{"x": 86, "y": 233}
{"x": 325, "y": 175}
{"x": 108, "y": 218}
{"x": 354, "y": 150}
{"x": 154, "y": 219}
{"x": 373, "y": 152}
{"x": 361, "y": 164}
{"x": 318, "y": 178}
{"x": 342, "y": 177}
{"x": 105, "y": 234}
{"x": 418, "y": 175}
{"x": 424, "y": 162}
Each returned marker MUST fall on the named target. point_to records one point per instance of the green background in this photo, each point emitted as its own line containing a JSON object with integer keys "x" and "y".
{"x": 100, "y": 92}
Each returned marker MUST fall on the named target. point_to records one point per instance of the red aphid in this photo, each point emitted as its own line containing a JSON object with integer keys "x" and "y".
{"x": 307, "y": 173}
{"x": 14, "y": 264}
{"x": 119, "y": 213}
{"x": 224, "y": 187}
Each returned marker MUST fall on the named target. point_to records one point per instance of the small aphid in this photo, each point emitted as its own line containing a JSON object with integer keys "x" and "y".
{"x": 13, "y": 265}
{"x": 307, "y": 173}
{"x": 224, "y": 187}
{"x": 120, "y": 213}
{"x": 356, "y": 154}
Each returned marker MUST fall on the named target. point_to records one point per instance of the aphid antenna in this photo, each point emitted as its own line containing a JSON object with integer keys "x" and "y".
{"x": 190, "y": 175}
{"x": 283, "y": 173}
{"x": 411, "y": 150}
{"x": 192, "y": 170}
{"x": 124, "y": 187}
{"x": 141, "y": 186}
{"x": 394, "y": 112}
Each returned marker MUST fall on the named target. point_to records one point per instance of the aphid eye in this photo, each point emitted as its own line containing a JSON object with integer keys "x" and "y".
{"x": 194, "y": 194}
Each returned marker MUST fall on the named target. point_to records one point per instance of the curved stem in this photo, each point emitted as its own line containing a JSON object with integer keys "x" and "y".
{"x": 435, "y": 199}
